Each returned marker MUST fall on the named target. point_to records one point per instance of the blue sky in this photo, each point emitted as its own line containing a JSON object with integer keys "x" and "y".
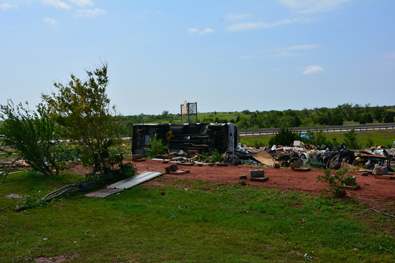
{"x": 224, "y": 55}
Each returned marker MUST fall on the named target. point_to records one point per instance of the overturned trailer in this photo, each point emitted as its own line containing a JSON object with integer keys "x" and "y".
{"x": 203, "y": 137}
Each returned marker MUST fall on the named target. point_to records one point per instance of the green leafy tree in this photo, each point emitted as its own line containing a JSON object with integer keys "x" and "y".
{"x": 285, "y": 136}
{"x": 388, "y": 118}
{"x": 165, "y": 113}
{"x": 83, "y": 109}
{"x": 296, "y": 122}
{"x": 33, "y": 134}
{"x": 378, "y": 113}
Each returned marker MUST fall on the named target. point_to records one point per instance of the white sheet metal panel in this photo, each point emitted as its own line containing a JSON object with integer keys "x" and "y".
{"x": 138, "y": 179}
{"x": 102, "y": 193}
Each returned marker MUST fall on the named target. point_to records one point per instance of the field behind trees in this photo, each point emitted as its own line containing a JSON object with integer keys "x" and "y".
{"x": 345, "y": 114}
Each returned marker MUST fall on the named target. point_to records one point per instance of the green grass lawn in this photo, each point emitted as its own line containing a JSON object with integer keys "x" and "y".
{"x": 194, "y": 221}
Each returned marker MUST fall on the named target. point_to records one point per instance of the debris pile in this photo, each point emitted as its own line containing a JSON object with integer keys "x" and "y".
{"x": 299, "y": 157}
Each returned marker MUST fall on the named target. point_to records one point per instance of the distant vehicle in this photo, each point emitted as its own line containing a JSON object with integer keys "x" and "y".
{"x": 203, "y": 137}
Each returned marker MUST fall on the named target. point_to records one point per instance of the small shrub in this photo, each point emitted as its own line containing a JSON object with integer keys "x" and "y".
{"x": 216, "y": 156}
{"x": 258, "y": 143}
{"x": 335, "y": 142}
{"x": 125, "y": 171}
{"x": 336, "y": 181}
{"x": 369, "y": 141}
{"x": 204, "y": 158}
{"x": 156, "y": 147}
{"x": 350, "y": 138}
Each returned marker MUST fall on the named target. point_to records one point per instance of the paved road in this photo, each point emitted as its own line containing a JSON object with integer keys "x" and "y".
{"x": 361, "y": 127}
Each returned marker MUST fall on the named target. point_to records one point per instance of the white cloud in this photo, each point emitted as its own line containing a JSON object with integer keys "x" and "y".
{"x": 57, "y": 3}
{"x": 50, "y": 21}
{"x": 7, "y": 6}
{"x": 206, "y": 30}
{"x": 286, "y": 54}
{"x": 300, "y": 47}
{"x": 313, "y": 6}
{"x": 312, "y": 69}
{"x": 285, "y": 51}
{"x": 237, "y": 16}
{"x": 257, "y": 25}
{"x": 203, "y": 32}
{"x": 82, "y": 2}
{"x": 89, "y": 12}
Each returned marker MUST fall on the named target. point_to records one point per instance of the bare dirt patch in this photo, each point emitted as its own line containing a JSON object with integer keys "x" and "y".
{"x": 283, "y": 178}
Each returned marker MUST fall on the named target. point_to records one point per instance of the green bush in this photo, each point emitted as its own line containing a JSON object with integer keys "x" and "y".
{"x": 156, "y": 147}
{"x": 216, "y": 156}
{"x": 125, "y": 171}
{"x": 336, "y": 181}
{"x": 33, "y": 134}
{"x": 350, "y": 139}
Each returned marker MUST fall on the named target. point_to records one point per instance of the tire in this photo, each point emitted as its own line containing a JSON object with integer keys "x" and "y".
{"x": 333, "y": 162}
{"x": 348, "y": 157}
{"x": 294, "y": 159}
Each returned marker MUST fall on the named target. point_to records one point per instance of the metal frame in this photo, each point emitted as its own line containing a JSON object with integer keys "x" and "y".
{"x": 191, "y": 110}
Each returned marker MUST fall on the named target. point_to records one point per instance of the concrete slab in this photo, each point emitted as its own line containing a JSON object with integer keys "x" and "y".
{"x": 259, "y": 179}
{"x": 256, "y": 173}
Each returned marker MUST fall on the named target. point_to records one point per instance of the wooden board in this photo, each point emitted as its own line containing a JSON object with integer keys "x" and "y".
{"x": 264, "y": 158}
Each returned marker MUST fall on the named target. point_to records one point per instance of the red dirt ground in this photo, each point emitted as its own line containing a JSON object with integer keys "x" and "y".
{"x": 283, "y": 178}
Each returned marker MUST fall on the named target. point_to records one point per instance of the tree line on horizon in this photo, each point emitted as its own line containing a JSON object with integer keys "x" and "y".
{"x": 247, "y": 119}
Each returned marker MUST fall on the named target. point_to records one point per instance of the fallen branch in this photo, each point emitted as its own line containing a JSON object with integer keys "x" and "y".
{"x": 6, "y": 208}
{"x": 377, "y": 211}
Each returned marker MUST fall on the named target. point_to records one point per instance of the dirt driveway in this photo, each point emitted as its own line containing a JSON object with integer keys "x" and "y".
{"x": 283, "y": 178}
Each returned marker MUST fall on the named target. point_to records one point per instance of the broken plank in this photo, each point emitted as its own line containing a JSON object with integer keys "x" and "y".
{"x": 385, "y": 177}
{"x": 301, "y": 169}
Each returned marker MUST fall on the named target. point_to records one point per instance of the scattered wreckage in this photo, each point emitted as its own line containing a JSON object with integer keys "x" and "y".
{"x": 295, "y": 156}
{"x": 184, "y": 137}
{"x": 194, "y": 142}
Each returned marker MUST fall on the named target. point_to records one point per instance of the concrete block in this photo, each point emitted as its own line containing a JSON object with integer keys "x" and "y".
{"x": 256, "y": 173}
